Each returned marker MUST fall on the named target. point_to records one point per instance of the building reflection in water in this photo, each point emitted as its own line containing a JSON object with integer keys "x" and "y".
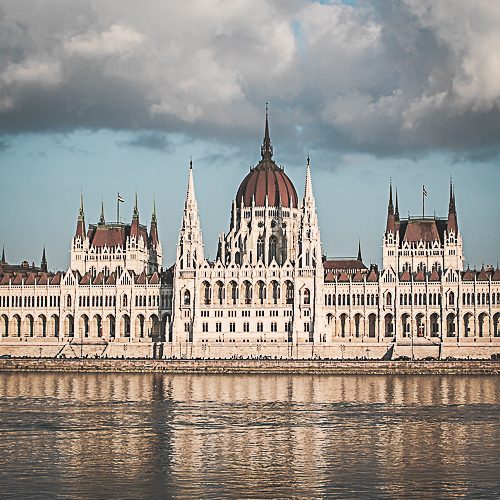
{"x": 134, "y": 435}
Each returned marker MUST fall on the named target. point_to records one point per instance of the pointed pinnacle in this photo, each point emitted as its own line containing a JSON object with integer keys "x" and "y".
{"x": 153, "y": 218}
{"x": 266, "y": 149}
{"x": 136, "y": 207}
{"x": 101, "y": 218}
{"x": 81, "y": 213}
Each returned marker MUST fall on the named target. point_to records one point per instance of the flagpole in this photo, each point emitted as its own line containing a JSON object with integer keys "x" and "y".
{"x": 118, "y": 208}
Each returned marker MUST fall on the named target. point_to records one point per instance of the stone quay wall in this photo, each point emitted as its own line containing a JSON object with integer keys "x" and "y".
{"x": 238, "y": 366}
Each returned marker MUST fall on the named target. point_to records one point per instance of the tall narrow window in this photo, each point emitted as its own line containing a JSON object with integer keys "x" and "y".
{"x": 260, "y": 249}
{"x": 272, "y": 248}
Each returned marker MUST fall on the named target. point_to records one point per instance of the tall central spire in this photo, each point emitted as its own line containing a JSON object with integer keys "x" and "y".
{"x": 267, "y": 149}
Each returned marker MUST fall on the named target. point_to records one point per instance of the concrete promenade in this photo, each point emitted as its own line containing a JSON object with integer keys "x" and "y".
{"x": 235, "y": 366}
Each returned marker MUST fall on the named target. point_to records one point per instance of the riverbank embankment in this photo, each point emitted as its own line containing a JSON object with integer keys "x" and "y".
{"x": 246, "y": 366}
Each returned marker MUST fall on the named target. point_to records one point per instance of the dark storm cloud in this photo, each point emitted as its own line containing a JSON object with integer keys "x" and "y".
{"x": 150, "y": 140}
{"x": 392, "y": 77}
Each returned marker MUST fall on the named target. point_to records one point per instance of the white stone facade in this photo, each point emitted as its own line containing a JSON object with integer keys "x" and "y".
{"x": 270, "y": 291}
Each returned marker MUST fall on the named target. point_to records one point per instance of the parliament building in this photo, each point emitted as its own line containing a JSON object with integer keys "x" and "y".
{"x": 270, "y": 292}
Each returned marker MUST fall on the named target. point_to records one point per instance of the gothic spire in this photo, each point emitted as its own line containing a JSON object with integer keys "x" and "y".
{"x": 153, "y": 232}
{"x": 135, "y": 216}
{"x": 43, "y": 265}
{"x": 153, "y": 216}
{"x": 190, "y": 194}
{"x": 391, "y": 219}
{"x": 308, "y": 193}
{"x": 102, "y": 220}
{"x": 190, "y": 247}
{"x": 359, "y": 251}
{"x": 266, "y": 150}
{"x": 452, "y": 211}
{"x": 80, "y": 223}
{"x": 3, "y": 255}
{"x": 396, "y": 210}
{"x": 81, "y": 214}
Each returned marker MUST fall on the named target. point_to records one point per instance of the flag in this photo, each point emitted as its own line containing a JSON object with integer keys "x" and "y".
{"x": 120, "y": 199}
{"x": 424, "y": 191}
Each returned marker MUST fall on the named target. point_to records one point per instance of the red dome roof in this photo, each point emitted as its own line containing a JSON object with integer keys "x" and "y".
{"x": 267, "y": 179}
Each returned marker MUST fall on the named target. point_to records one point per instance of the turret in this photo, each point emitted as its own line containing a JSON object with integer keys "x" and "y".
{"x": 80, "y": 223}
{"x": 153, "y": 232}
{"x": 267, "y": 149}
{"x": 43, "y": 265}
{"x": 134, "y": 228}
{"x": 396, "y": 213}
{"x": 309, "y": 234}
{"x": 102, "y": 220}
{"x": 391, "y": 218}
{"x": 452, "y": 212}
{"x": 190, "y": 246}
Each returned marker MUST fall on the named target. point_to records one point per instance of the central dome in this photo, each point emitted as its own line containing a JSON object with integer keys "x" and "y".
{"x": 267, "y": 179}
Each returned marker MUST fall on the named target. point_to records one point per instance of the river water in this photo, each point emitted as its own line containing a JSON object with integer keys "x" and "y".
{"x": 248, "y": 436}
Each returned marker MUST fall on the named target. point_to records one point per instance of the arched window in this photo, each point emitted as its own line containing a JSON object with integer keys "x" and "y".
{"x": 289, "y": 292}
{"x": 275, "y": 291}
{"x": 307, "y": 296}
{"x": 451, "y": 299}
{"x": 261, "y": 291}
{"x": 187, "y": 298}
{"x": 68, "y": 301}
{"x": 124, "y": 300}
{"x": 206, "y": 292}
{"x": 273, "y": 243}
{"x": 260, "y": 249}
{"x": 248, "y": 292}
{"x": 388, "y": 299}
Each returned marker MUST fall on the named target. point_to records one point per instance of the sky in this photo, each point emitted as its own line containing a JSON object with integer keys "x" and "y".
{"x": 99, "y": 97}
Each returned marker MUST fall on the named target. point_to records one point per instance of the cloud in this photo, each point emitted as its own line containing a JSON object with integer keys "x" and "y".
{"x": 117, "y": 40}
{"x": 380, "y": 77}
{"x": 150, "y": 140}
{"x": 32, "y": 72}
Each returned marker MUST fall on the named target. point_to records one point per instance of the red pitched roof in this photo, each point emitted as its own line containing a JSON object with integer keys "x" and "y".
{"x": 330, "y": 277}
{"x": 155, "y": 279}
{"x": 111, "y": 279}
{"x": 56, "y": 280}
{"x": 496, "y": 275}
{"x": 99, "y": 279}
{"x": 421, "y": 230}
{"x": 43, "y": 279}
{"x": 31, "y": 280}
{"x": 483, "y": 275}
{"x": 343, "y": 278}
{"x": 86, "y": 279}
{"x": 5, "y": 279}
{"x": 343, "y": 264}
{"x": 468, "y": 275}
{"x": 18, "y": 279}
{"x": 405, "y": 276}
{"x": 420, "y": 276}
{"x": 434, "y": 276}
{"x": 372, "y": 276}
{"x": 358, "y": 277}
{"x": 141, "y": 279}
